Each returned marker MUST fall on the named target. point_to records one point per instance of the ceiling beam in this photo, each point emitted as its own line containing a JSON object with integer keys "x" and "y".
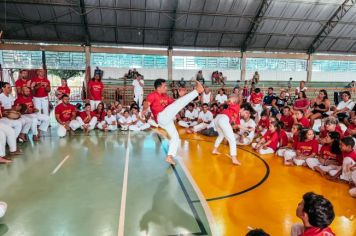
{"x": 197, "y": 31}
{"x": 173, "y": 25}
{"x": 255, "y": 24}
{"x": 330, "y": 25}
{"x": 83, "y": 16}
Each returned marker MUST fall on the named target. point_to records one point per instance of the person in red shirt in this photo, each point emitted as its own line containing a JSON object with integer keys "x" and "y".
{"x": 100, "y": 112}
{"x": 269, "y": 142}
{"x": 263, "y": 123}
{"x": 347, "y": 145}
{"x": 317, "y": 213}
{"x": 329, "y": 155}
{"x": 287, "y": 119}
{"x": 299, "y": 118}
{"x": 22, "y": 81}
{"x": 87, "y": 119}
{"x": 164, "y": 110}
{"x": 293, "y": 139}
{"x": 61, "y": 90}
{"x": 65, "y": 116}
{"x": 256, "y": 100}
{"x": 96, "y": 89}
{"x": 225, "y": 122}
{"x": 40, "y": 122}
{"x": 331, "y": 125}
{"x": 351, "y": 129}
{"x": 41, "y": 87}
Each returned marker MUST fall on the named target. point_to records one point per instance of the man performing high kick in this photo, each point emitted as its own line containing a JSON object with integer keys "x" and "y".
{"x": 164, "y": 110}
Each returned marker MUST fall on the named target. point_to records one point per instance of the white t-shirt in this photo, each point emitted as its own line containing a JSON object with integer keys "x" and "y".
{"x": 221, "y": 98}
{"x": 191, "y": 114}
{"x": 137, "y": 87}
{"x": 123, "y": 120}
{"x": 7, "y": 101}
{"x": 110, "y": 119}
{"x": 206, "y": 97}
{"x": 206, "y": 117}
{"x": 349, "y": 104}
{"x": 248, "y": 124}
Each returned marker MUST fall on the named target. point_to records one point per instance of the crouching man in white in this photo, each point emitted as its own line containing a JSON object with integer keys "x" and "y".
{"x": 246, "y": 130}
{"x": 205, "y": 117}
{"x": 87, "y": 119}
{"x": 65, "y": 116}
{"x": 190, "y": 117}
{"x": 138, "y": 121}
{"x": 109, "y": 123}
{"x": 7, "y": 136}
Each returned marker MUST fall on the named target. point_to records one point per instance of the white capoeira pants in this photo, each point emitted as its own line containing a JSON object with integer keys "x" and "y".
{"x": 42, "y": 105}
{"x": 258, "y": 108}
{"x": 224, "y": 129}
{"x": 352, "y": 191}
{"x": 153, "y": 123}
{"x": 62, "y": 131}
{"x": 91, "y": 123}
{"x": 94, "y": 104}
{"x": 346, "y": 164}
{"x": 290, "y": 154}
{"x": 7, "y": 135}
{"x": 109, "y": 127}
{"x": 166, "y": 120}
{"x": 16, "y": 125}
{"x": 139, "y": 126}
{"x": 244, "y": 141}
{"x": 38, "y": 120}
{"x": 268, "y": 150}
{"x": 199, "y": 127}
{"x": 138, "y": 98}
{"x": 187, "y": 124}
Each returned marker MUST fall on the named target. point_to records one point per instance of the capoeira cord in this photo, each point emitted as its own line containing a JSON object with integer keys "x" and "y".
{"x": 164, "y": 110}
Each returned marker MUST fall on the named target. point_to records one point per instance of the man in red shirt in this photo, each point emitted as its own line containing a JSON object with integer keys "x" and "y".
{"x": 41, "y": 87}
{"x": 317, "y": 213}
{"x": 87, "y": 119}
{"x": 38, "y": 120}
{"x": 164, "y": 110}
{"x": 65, "y": 116}
{"x": 256, "y": 100}
{"x": 22, "y": 81}
{"x": 96, "y": 89}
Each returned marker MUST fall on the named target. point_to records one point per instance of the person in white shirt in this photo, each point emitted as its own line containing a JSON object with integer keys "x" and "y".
{"x": 206, "y": 96}
{"x": 21, "y": 126}
{"x": 300, "y": 88}
{"x": 247, "y": 127}
{"x": 205, "y": 117}
{"x": 109, "y": 123}
{"x": 221, "y": 97}
{"x": 138, "y": 121}
{"x": 344, "y": 107}
{"x": 190, "y": 117}
{"x": 87, "y": 119}
{"x": 125, "y": 120}
{"x": 146, "y": 112}
{"x": 138, "y": 84}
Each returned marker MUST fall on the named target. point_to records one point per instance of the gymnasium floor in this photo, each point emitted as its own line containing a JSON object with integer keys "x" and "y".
{"x": 118, "y": 184}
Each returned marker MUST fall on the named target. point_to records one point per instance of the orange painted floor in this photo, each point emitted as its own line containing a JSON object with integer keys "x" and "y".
{"x": 253, "y": 196}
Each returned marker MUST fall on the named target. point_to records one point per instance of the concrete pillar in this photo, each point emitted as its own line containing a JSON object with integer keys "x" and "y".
{"x": 87, "y": 55}
{"x": 243, "y": 66}
{"x": 170, "y": 64}
{"x": 309, "y": 68}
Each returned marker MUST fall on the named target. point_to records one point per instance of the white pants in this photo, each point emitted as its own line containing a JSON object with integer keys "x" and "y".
{"x": 199, "y": 127}
{"x": 258, "y": 108}
{"x": 62, "y": 131}
{"x": 187, "y": 124}
{"x": 224, "y": 130}
{"x": 291, "y": 155}
{"x": 166, "y": 120}
{"x": 152, "y": 123}
{"x": 38, "y": 120}
{"x": 91, "y": 123}
{"x": 42, "y": 105}
{"x": 268, "y": 150}
{"x": 138, "y": 98}
{"x": 109, "y": 127}
{"x": 352, "y": 191}
{"x": 7, "y": 135}
{"x": 245, "y": 140}
{"x": 139, "y": 126}
{"x": 26, "y": 124}
{"x": 346, "y": 163}
{"x": 94, "y": 104}
{"x": 16, "y": 125}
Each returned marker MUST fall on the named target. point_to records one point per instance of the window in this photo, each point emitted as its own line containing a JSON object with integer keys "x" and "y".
{"x": 228, "y": 63}
{"x": 272, "y": 64}
{"x": 21, "y": 59}
{"x": 128, "y": 60}
{"x": 334, "y": 66}
{"x": 65, "y": 60}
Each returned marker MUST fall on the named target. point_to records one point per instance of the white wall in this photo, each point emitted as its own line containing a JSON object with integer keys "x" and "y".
{"x": 278, "y": 75}
{"x": 232, "y": 75}
{"x": 150, "y": 74}
{"x": 333, "y": 76}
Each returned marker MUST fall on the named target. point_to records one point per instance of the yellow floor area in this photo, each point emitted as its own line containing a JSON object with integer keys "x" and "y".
{"x": 268, "y": 204}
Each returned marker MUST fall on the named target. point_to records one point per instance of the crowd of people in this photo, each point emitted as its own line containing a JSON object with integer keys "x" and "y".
{"x": 270, "y": 123}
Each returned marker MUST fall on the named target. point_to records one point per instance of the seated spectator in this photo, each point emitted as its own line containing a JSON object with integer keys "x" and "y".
{"x": 7, "y": 136}
{"x": 299, "y": 118}
{"x": 301, "y": 88}
{"x": 278, "y": 103}
{"x": 221, "y": 79}
{"x": 199, "y": 77}
{"x": 269, "y": 142}
{"x": 215, "y": 110}
{"x": 125, "y": 120}
{"x": 351, "y": 129}
{"x": 331, "y": 124}
{"x": 267, "y": 100}
{"x": 109, "y": 122}
{"x": 317, "y": 213}
{"x": 190, "y": 116}
{"x": 347, "y": 145}
{"x": 221, "y": 97}
{"x": 301, "y": 103}
{"x": 87, "y": 119}
{"x": 294, "y": 140}
{"x": 182, "y": 83}
{"x": 344, "y": 107}
{"x": 215, "y": 77}
{"x": 320, "y": 106}
{"x": 256, "y": 100}
{"x": 287, "y": 119}
{"x": 100, "y": 113}
{"x": 263, "y": 123}
{"x": 206, "y": 96}
{"x": 139, "y": 122}
{"x": 205, "y": 117}
{"x": 246, "y": 130}
{"x": 65, "y": 116}
{"x": 256, "y": 78}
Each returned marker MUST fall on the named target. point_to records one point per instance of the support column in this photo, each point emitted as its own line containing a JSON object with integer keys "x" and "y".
{"x": 44, "y": 66}
{"x": 87, "y": 55}
{"x": 243, "y": 66}
{"x": 170, "y": 64}
{"x": 309, "y": 68}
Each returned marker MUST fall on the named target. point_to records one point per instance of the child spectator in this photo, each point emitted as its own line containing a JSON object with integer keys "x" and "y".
{"x": 269, "y": 142}
{"x": 109, "y": 123}
{"x": 299, "y": 118}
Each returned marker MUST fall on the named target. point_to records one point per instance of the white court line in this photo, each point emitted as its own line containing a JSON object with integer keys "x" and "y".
{"x": 204, "y": 203}
{"x": 124, "y": 191}
{"x": 60, "y": 165}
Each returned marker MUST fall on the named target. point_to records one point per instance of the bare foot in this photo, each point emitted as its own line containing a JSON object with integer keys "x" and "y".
{"x": 215, "y": 152}
{"x": 288, "y": 163}
{"x": 199, "y": 87}
{"x": 4, "y": 161}
{"x": 235, "y": 161}
{"x": 170, "y": 160}
{"x": 189, "y": 131}
{"x": 17, "y": 152}
{"x": 317, "y": 169}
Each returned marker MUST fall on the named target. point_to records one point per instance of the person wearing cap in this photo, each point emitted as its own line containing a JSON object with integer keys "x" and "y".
{"x": 96, "y": 89}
